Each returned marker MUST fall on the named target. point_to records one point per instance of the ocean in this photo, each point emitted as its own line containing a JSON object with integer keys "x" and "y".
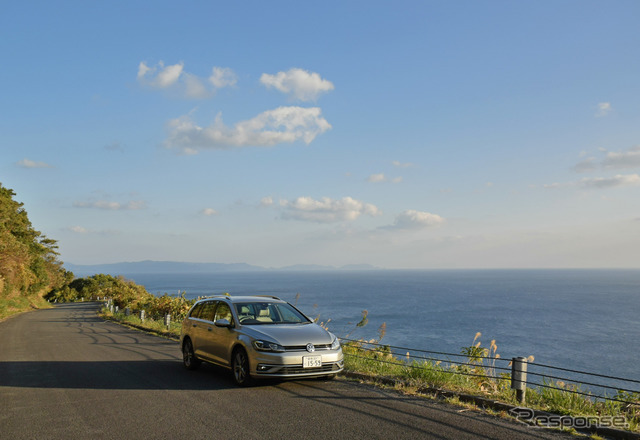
{"x": 578, "y": 319}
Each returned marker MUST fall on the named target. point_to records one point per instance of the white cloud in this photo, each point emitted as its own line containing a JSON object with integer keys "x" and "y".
{"x": 281, "y": 125}
{"x": 613, "y": 160}
{"x": 112, "y": 206}
{"x": 175, "y": 79}
{"x": 28, "y": 163}
{"x": 378, "y": 178}
{"x": 266, "y": 201}
{"x": 604, "y": 108}
{"x": 375, "y": 178}
{"x": 298, "y": 83}
{"x": 143, "y": 70}
{"x": 209, "y": 212}
{"x": 79, "y": 230}
{"x": 194, "y": 87}
{"x": 412, "y": 219}
{"x": 135, "y": 205}
{"x": 612, "y": 182}
{"x": 586, "y": 165}
{"x": 168, "y": 75}
{"x": 624, "y": 159}
{"x": 327, "y": 210}
{"x": 159, "y": 76}
{"x": 401, "y": 164}
{"x": 222, "y": 77}
{"x": 618, "y": 180}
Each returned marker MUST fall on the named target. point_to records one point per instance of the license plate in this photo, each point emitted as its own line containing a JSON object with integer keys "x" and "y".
{"x": 311, "y": 361}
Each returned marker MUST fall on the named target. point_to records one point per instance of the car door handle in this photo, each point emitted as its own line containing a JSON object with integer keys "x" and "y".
{"x": 209, "y": 329}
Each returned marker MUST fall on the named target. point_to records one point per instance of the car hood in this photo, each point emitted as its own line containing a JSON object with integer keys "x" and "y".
{"x": 291, "y": 334}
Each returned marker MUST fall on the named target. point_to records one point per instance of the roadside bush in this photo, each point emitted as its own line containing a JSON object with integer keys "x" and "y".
{"x": 158, "y": 306}
{"x": 125, "y": 293}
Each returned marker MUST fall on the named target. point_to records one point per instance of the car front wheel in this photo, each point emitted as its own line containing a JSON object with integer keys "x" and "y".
{"x": 189, "y": 359}
{"x": 240, "y": 367}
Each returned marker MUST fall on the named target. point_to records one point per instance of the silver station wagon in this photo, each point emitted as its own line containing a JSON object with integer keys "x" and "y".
{"x": 258, "y": 337}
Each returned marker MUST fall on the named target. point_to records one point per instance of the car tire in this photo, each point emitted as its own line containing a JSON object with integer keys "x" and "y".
{"x": 240, "y": 367}
{"x": 189, "y": 359}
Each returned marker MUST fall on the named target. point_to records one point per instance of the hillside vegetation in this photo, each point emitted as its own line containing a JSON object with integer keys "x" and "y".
{"x": 29, "y": 264}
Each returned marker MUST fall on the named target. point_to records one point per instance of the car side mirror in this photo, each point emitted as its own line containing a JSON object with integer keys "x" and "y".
{"x": 223, "y": 323}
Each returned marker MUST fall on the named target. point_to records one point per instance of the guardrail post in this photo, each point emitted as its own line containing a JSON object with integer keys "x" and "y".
{"x": 115, "y": 310}
{"x": 167, "y": 320}
{"x": 142, "y": 315}
{"x": 127, "y": 311}
{"x": 519, "y": 377}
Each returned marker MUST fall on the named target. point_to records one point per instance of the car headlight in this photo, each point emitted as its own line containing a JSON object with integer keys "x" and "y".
{"x": 267, "y": 346}
{"x": 335, "y": 344}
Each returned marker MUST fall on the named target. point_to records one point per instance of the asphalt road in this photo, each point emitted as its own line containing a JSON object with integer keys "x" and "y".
{"x": 67, "y": 374}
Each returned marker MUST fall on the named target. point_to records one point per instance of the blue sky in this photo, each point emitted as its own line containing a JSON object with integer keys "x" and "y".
{"x": 465, "y": 134}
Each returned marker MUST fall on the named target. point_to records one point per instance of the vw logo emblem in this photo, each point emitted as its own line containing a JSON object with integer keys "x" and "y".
{"x": 311, "y": 348}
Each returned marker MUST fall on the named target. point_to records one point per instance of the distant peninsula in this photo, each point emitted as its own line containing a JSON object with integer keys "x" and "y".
{"x": 159, "y": 267}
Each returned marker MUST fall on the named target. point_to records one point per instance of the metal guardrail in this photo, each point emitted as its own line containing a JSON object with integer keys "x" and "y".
{"x": 519, "y": 371}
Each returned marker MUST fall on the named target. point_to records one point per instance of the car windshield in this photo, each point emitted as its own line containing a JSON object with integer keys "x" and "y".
{"x": 257, "y": 313}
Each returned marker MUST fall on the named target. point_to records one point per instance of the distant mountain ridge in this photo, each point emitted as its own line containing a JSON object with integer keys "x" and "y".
{"x": 149, "y": 266}
{"x": 158, "y": 267}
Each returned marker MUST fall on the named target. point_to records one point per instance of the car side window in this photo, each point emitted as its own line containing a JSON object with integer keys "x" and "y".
{"x": 195, "y": 313}
{"x": 207, "y": 311}
{"x": 223, "y": 312}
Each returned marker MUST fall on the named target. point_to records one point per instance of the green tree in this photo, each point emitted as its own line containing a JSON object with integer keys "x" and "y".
{"x": 29, "y": 262}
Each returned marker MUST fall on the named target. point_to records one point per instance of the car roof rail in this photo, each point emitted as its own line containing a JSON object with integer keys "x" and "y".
{"x": 229, "y": 297}
{"x": 216, "y": 295}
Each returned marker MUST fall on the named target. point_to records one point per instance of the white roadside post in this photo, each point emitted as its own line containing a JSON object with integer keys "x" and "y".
{"x": 519, "y": 377}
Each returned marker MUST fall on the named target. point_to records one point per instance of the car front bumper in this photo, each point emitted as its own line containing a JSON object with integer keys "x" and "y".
{"x": 290, "y": 364}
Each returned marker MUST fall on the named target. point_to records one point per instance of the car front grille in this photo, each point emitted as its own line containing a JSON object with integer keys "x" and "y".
{"x": 304, "y": 347}
{"x": 298, "y": 370}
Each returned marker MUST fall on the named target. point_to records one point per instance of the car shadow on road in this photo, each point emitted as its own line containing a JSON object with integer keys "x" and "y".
{"x": 115, "y": 375}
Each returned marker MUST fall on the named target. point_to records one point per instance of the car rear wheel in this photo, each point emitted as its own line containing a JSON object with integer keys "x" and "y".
{"x": 240, "y": 367}
{"x": 189, "y": 359}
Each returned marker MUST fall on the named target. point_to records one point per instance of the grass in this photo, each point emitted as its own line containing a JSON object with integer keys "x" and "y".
{"x": 478, "y": 378}
{"x": 19, "y": 304}
{"x": 152, "y": 325}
